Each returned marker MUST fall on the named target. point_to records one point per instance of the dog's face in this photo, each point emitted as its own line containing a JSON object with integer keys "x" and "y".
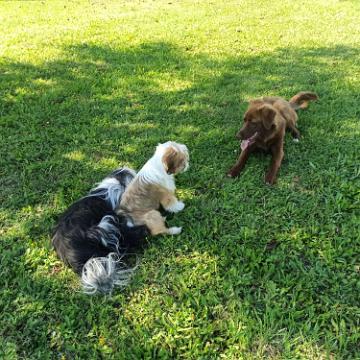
{"x": 175, "y": 157}
{"x": 259, "y": 123}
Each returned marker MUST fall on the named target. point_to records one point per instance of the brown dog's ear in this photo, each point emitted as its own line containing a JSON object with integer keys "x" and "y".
{"x": 170, "y": 160}
{"x": 267, "y": 113}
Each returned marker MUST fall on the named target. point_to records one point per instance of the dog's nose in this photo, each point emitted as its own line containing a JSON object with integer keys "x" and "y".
{"x": 239, "y": 135}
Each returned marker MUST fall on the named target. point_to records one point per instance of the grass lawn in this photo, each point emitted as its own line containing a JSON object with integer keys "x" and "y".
{"x": 259, "y": 272}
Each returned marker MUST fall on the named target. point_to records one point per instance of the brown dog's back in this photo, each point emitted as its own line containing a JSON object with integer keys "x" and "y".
{"x": 287, "y": 108}
{"x": 283, "y": 107}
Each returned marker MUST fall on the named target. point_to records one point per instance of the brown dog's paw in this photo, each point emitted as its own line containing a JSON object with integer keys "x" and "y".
{"x": 269, "y": 179}
{"x": 232, "y": 174}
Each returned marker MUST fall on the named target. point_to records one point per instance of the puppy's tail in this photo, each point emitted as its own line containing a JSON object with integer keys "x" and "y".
{"x": 102, "y": 274}
{"x": 301, "y": 99}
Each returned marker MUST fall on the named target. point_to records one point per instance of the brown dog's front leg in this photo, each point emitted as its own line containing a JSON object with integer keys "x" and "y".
{"x": 277, "y": 156}
{"x": 236, "y": 169}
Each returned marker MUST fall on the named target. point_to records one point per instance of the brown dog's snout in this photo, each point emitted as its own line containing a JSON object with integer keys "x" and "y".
{"x": 240, "y": 134}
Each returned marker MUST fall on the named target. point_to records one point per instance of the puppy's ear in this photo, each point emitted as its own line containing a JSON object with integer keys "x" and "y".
{"x": 267, "y": 113}
{"x": 170, "y": 160}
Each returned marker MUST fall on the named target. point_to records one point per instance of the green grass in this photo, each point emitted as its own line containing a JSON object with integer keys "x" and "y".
{"x": 259, "y": 272}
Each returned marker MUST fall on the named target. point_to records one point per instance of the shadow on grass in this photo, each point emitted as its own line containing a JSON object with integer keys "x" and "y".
{"x": 98, "y": 104}
{"x": 267, "y": 254}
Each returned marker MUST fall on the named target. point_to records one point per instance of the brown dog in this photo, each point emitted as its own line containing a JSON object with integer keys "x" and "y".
{"x": 265, "y": 122}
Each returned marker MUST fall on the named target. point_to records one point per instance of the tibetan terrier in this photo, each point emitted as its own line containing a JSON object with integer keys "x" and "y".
{"x": 92, "y": 239}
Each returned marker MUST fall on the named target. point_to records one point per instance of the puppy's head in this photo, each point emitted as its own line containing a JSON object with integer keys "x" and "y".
{"x": 174, "y": 157}
{"x": 259, "y": 123}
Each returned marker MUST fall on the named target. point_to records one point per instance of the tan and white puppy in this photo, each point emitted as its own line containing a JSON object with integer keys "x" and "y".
{"x": 154, "y": 185}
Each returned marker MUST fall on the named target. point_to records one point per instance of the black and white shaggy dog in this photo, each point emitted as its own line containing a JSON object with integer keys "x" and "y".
{"x": 92, "y": 239}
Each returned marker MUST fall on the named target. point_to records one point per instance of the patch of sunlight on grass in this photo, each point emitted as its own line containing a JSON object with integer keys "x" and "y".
{"x": 135, "y": 126}
{"x": 188, "y": 129}
{"x": 167, "y": 84}
{"x": 107, "y": 162}
{"x": 194, "y": 106}
{"x": 75, "y": 155}
{"x": 186, "y": 194}
{"x": 349, "y": 127}
{"x": 130, "y": 149}
{"x": 19, "y": 228}
{"x": 44, "y": 82}
{"x": 27, "y": 304}
{"x": 21, "y": 91}
{"x": 42, "y": 261}
{"x": 310, "y": 350}
{"x": 198, "y": 268}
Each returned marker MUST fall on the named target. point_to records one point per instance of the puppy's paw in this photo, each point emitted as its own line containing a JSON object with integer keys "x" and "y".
{"x": 296, "y": 140}
{"x": 175, "y": 230}
{"x": 175, "y": 208}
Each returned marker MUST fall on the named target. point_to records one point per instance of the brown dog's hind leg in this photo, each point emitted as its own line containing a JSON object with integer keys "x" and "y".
{"x": 294, "y": 132}
{"x": 156, "y": 224}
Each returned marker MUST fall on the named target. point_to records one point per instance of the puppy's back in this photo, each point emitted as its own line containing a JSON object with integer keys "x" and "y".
{"x": 140, "y": 197}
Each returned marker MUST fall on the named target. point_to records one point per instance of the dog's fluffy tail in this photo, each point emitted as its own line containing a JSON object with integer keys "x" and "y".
{"x": 102, "y": 274}
{"x": 301, "y": 99}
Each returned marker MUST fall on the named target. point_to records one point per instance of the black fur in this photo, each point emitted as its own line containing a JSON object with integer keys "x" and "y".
{"x": 78, "y": 237}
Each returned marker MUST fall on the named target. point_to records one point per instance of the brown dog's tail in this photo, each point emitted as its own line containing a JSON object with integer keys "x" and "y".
{"x": 301, "y": 99}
